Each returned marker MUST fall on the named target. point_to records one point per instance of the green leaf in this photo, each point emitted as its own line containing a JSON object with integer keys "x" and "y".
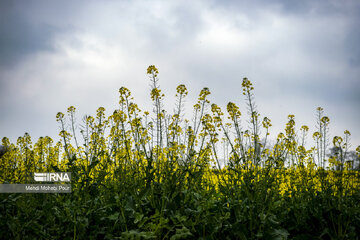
{"x": 113, "y": 217}
{"x": 182, "y": 233}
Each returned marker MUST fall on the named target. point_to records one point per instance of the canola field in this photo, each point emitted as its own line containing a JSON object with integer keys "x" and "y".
{"x": 155, "y": 175}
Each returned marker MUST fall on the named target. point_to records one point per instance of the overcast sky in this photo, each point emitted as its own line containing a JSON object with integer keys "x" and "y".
{"x": 298, "y": 54}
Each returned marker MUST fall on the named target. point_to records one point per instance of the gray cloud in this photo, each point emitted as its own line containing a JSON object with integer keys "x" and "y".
{"x": 19, "y": 37}
{"x": 352, "y": 43}
{"x": 299, "y": 54}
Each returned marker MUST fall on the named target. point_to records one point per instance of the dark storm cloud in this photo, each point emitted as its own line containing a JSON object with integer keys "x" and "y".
{"x": 30, "y": 27}
{"x": 54, "y": 54}
{"x": 19, "y": 38}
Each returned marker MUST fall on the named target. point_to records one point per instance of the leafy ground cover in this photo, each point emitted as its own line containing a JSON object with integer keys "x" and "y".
{"x": 142, "y": 175}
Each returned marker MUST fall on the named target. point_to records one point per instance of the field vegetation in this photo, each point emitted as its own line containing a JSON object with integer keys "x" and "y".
{"x": 156, "y": 175}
